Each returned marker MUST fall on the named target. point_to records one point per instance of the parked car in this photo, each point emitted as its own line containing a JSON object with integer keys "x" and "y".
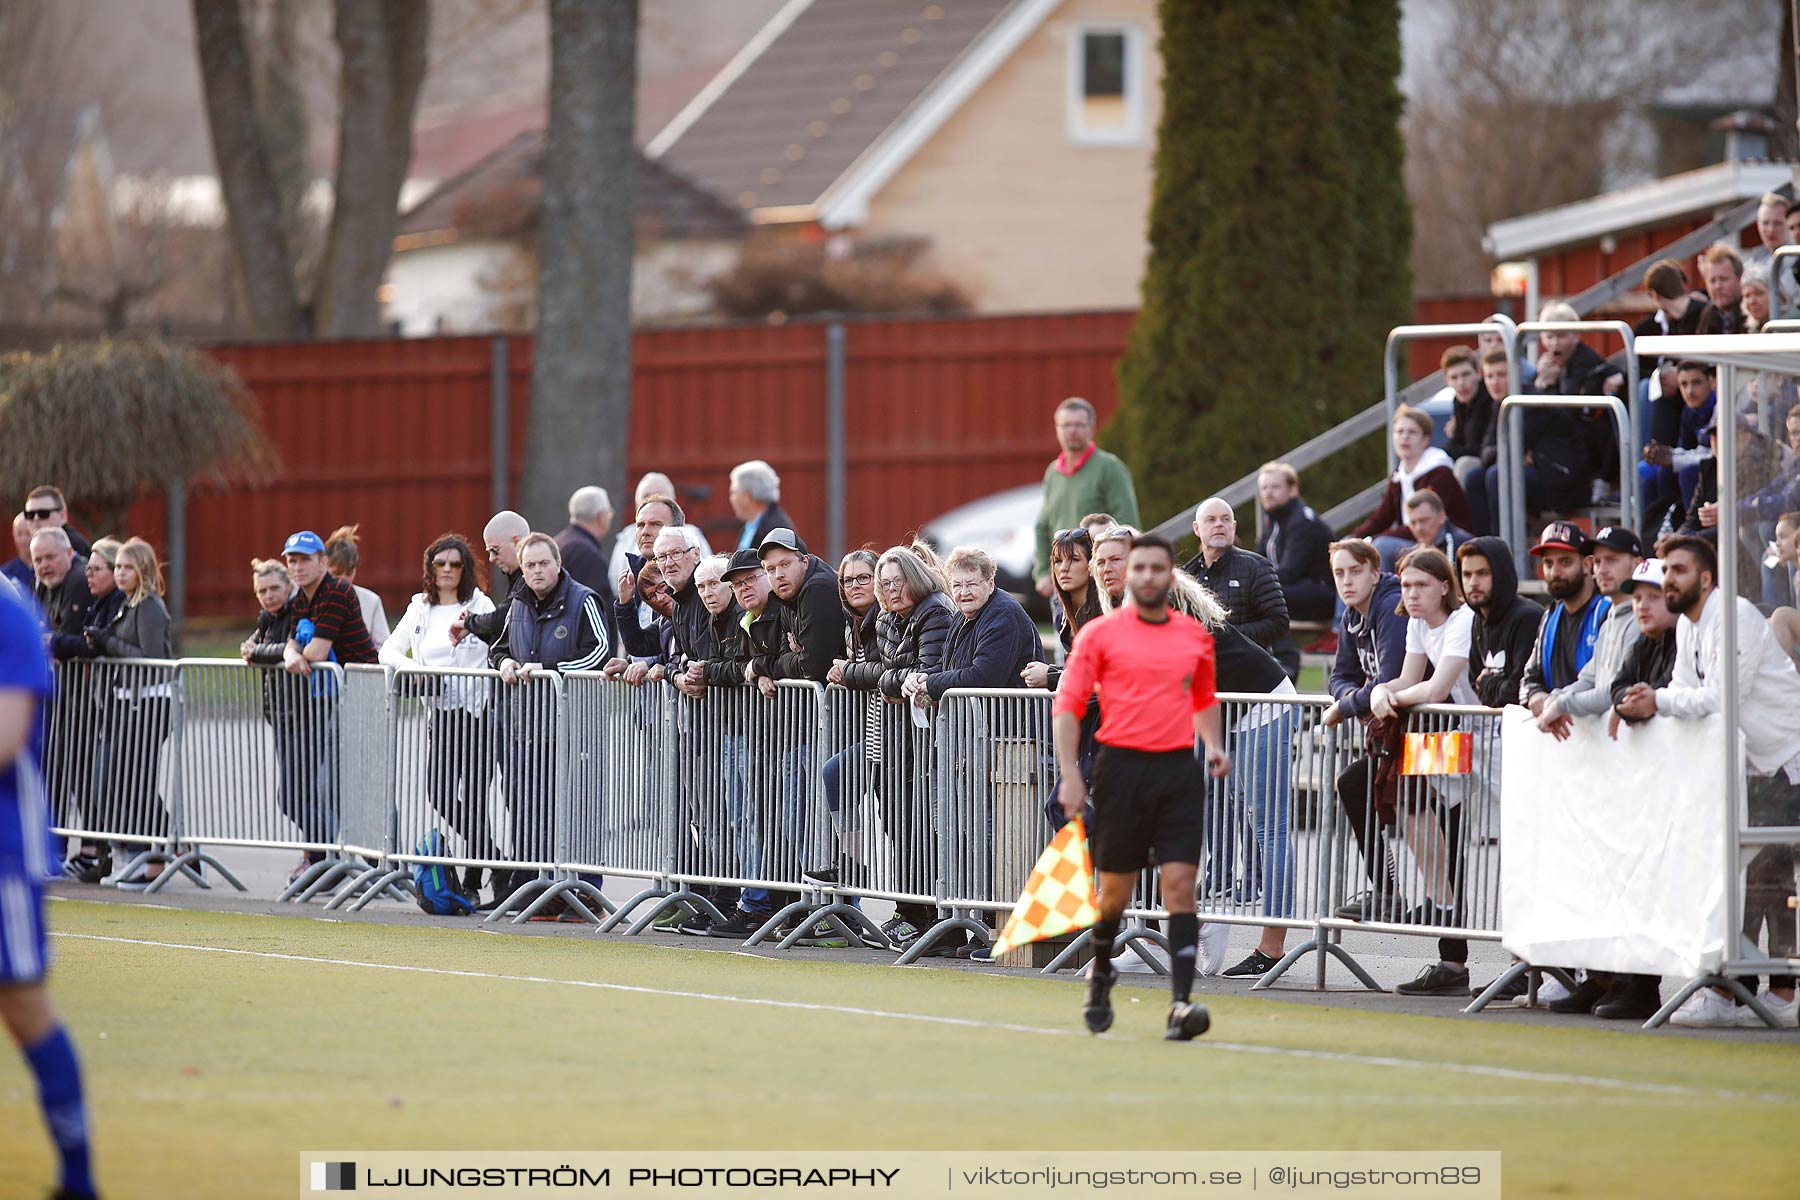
{"x": 1005, "y": 525}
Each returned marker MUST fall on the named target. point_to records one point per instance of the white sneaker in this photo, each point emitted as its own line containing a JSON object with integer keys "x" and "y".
{"x": 1550, "y": 990}
{"x": 1784, "y": 1012}
{"x": 1706, "y": 1009}
{"x": 1215, "y": 941}
{"x": 1137, "y": 959}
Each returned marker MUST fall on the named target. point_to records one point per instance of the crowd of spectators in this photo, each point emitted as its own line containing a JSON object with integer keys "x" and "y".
{"x": 1421, "y": 603}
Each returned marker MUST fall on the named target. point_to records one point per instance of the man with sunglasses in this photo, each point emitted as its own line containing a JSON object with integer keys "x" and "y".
{"x": 45, "y": 508}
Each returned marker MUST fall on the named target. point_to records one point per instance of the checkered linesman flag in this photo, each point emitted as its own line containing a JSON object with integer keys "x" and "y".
{"x": 1059, "y": 896}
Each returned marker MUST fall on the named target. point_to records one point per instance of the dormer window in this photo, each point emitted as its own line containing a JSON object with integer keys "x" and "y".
{"x": 1106, "y": 85}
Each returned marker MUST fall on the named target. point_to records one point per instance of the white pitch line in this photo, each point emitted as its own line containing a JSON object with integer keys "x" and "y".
{"x": 1367, "y": 1060}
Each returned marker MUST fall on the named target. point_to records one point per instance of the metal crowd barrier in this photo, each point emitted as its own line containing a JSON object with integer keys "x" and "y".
{"x": 800, "y": 807}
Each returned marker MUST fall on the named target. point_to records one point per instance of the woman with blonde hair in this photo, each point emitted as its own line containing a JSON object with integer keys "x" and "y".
{"x": 142, "y": 709}
{"x": 1250, "y": 864}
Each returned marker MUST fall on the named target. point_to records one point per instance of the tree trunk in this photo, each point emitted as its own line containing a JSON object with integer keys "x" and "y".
{"x": 383, "y": 64}
{"x": 252, "y": 196}
{"x": 580, "y": 424}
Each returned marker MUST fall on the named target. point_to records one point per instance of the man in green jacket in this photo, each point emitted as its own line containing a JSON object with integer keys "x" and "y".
{"x": 1082, "y": 479}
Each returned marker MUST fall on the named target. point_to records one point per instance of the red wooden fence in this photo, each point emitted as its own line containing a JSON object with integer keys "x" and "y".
{"x": 394, "y": 434}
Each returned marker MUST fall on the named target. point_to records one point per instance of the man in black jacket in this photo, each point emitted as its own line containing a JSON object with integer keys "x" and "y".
{"x": 1244, "y": 582}
{"x": 1297, "y": 542}
{"x": 813, "y": 612}
{"x": 61, "y": 589}
{"x": 583, "y": 546}
{"x": 1501, "y": 640}
{"x": 505, "y": 532}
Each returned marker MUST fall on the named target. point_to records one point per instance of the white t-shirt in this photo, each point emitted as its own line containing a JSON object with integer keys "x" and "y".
{"x": 1449, "y": 640}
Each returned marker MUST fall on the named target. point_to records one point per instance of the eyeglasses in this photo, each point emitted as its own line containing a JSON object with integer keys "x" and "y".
{"x": 455, "y": 564}
{"x": 672, "y": 556}
{"x": 40, "y": 514}
{"x": 858, "y": 580}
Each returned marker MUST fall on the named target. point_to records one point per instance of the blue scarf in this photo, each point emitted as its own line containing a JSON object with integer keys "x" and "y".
{"x": 1590, "y": 632}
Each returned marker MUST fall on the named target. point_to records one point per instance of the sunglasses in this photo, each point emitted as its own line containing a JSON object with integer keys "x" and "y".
{"x": 453, "y": 563}
{"x": 40, "y": 514}
{"x": 1072, "y": 536}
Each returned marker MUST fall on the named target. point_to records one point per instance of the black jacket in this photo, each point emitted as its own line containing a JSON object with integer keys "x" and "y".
{"x": 772, "y": 517}
{"x": 730, "y": 648}
{"x": 1246, "y": 584}
{"x": 490, "y": 627}
{"x": 1240, "y": 665}
{"x": 273, "y": 629}
{"x": 1505, "y": 630}
{"x": 66, "y": 605}
{"x": 1567, "y": 662}
{"x": 761, "y": 642}
{"x": 690, "y": 627}
{"x": 916, "y": 642}
{"x": 1714, "y": 319}
{"x": 988, "y": 651}
{"x": 1299, "y": 544}
{"x": 815, "y": 618}
{"x": 584, "y": 558}
{"x": 87, "y": 644}
{"x": 563, "y": 630}
{"x": 637, "y": 639}
{"x": 1472, "y": 421}
{"x": 1650, "y": 660}
{"x": 862, "y": 646}
{"x": 1369, "y": 651}
{"x": 1066, "y": 629}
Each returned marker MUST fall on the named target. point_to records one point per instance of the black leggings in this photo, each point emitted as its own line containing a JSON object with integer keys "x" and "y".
{"x": 458, "y": 770}
{"x": 1353, "y": 794}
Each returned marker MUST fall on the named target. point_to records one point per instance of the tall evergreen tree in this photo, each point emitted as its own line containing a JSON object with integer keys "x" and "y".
{"x": 1278, "y": 189}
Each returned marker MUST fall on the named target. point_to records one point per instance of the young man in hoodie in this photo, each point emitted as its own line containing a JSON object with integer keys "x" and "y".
{"x": 1616, "y": 553}
{"x": 1371, "y": 650}
{"x": 1568, "y": 633}
{"x": 1421, "y": 465}
{"x": 1507, "y": 623}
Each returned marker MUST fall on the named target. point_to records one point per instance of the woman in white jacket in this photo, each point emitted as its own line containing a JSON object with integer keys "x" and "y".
{"x": 461, "y": 757}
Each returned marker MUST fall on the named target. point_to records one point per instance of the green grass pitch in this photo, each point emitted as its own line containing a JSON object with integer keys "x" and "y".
{"x": 237, "y": 1062}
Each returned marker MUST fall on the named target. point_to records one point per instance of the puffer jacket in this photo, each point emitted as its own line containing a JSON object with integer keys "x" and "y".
{"x": 863, "y": 647}
{"x": 916, "y": 642}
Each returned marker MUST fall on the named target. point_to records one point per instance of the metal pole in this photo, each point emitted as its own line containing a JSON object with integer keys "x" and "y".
{"x": 836, "y": 491}
{"x": 1390, "y": 380}
{"x": 498, "y": 396}
{"x": 176, "y": 538}
{"x": 1725, "y": 455}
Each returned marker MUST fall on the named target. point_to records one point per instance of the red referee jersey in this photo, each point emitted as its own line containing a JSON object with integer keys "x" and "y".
{"x": 1152, "y": 678}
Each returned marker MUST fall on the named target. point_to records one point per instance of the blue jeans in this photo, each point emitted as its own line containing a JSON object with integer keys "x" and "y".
{"x": 1262, "y": 757}
{"x": 746, "y": 822}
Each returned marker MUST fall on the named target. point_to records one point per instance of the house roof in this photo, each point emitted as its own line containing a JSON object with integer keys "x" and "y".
{"x": 1642, "y": 206}
{"x": 499, "y": 197}
{"x": 832, "y": 96}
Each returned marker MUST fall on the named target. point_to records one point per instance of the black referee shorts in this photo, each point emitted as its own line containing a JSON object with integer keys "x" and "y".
{"x": 1143, "y": 801}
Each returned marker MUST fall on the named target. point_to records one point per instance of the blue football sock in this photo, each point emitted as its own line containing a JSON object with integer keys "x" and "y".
{"x": 59, "y": 1094}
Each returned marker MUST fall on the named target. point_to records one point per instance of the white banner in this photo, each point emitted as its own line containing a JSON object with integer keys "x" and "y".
{"x": 1614, "y": 850}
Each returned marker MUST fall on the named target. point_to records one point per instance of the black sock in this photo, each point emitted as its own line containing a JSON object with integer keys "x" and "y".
{"x": 1184, "y": 940}
{"x": 1106, "y": 932}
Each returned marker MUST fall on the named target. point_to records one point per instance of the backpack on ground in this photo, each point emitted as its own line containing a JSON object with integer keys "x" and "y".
{"x": 440, "y": 893}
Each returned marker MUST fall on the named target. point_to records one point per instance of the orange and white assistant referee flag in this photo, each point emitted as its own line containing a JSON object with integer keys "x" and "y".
{"x": 1059, "y": 896}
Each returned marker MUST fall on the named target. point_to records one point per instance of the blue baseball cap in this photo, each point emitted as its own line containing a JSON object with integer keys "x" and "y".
{"x": 304, "y": 542}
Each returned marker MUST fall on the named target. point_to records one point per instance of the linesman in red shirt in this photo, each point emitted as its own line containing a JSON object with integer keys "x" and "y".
{"x": 1154, "y": 671}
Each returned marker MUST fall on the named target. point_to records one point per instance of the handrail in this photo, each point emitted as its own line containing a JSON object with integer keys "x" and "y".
{"x": 1499, "y": 324}
{"x": 1511, "y": 501}
{"x": 1513, "y": 468}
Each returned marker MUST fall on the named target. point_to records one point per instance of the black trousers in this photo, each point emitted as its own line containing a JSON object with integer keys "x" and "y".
{"x": 1353, "y": 792}
{"x": 458, "y": 770}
